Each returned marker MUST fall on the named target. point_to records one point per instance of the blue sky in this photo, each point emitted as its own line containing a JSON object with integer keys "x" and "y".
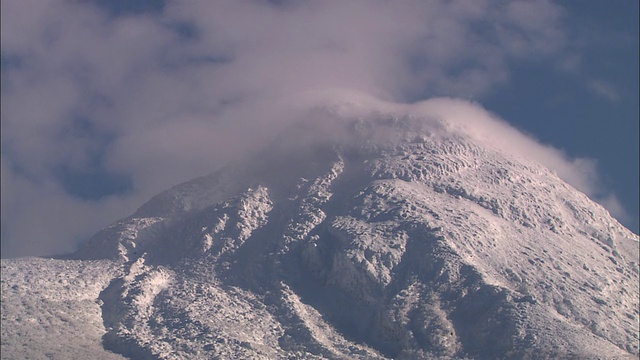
{"x": 106, "y": 103}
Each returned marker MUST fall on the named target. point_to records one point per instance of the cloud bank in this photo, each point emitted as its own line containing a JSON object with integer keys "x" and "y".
{"x": 130, "y": 103}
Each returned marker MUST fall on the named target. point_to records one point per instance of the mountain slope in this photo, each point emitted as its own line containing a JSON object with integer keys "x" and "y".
{"x": 406, "y": 240}
{"x": 50, "y": 308}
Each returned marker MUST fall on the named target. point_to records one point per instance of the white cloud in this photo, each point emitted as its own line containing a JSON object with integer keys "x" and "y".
{"x": 39, "y": 218}
{"x": 165, "y": 104}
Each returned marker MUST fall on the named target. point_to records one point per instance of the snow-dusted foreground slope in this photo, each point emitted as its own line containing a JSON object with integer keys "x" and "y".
{"x": 50, "y": 309}
{"x": 407, "y": 241}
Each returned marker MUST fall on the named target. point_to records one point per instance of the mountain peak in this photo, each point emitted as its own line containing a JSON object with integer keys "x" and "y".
{"x": 394, "y": 236}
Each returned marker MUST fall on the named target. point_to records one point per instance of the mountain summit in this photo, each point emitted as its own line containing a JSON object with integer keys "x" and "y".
{"x": 385, "y": 235}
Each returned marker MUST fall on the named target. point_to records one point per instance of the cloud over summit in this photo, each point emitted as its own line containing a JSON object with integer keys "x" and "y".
{"x": 162, "y": 96}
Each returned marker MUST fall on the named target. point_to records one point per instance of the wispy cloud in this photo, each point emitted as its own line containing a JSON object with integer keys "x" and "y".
{"x": 604, "y": 90}
{"x": 163, "y": 96}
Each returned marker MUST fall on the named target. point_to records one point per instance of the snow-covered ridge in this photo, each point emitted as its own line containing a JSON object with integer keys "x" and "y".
{"x": 410, "y": 240}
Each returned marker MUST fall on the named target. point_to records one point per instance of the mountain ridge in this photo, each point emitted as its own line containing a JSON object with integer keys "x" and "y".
{"x": 377, "y": 236}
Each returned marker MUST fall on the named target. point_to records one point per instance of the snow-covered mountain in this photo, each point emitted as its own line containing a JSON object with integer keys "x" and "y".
{"x": 380, "y": 236}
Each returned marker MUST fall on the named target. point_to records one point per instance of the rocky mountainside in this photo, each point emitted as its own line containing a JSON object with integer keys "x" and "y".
{"x": 406, "y": 240}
